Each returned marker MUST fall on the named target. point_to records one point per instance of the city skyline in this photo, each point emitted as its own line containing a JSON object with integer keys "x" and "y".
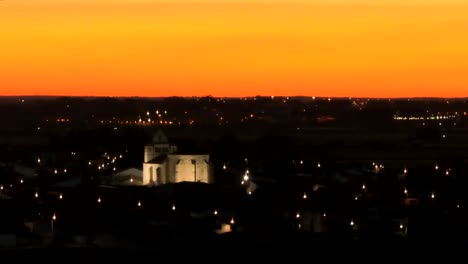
{"x": 154, "y": 48}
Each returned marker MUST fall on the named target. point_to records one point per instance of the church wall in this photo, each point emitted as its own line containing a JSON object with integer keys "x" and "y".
{"x": 149, "y": 153}
{"x": 154, "y": 168}
{"x": 182, "y": 168}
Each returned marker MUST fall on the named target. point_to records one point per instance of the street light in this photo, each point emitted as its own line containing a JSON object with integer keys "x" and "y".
{"x": 54, "y": 217}
{"x": 304, "y": 196}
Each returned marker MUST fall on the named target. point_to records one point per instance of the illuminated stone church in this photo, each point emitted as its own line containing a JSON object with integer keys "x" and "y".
{"x": 163, "y": 165}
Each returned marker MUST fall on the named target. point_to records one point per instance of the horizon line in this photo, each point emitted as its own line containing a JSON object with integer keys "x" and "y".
{"x": 237, "y": 97}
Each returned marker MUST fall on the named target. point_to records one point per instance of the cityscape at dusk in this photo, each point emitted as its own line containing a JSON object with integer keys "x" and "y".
{"x": 232, "y": 129}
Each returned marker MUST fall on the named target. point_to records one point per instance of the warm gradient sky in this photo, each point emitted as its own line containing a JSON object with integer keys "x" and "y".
{"x": 370, "y": 48}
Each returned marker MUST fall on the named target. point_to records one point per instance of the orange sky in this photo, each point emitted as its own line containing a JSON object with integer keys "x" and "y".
{"x": 355, "y": 48}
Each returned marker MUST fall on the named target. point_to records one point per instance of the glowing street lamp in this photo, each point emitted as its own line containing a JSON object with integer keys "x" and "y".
{"x": 363, "y": 186}
{"x": 304, "y": 196}
{"x": 54, "y": 217}
{"x": 21, "y": 181}
{"x": 318, "y": 165}
{"x": 173, "y": 207}
{"x": 139, "y": 204}
{"x": 351, "y": 223}
{"x": 432, "y": 195}
{"x": 447, "y": 172}
{"x": 436, "y": 167}
{"x": 99, "y": 199}
{"x": 60, "y": 196}
{"x": 298, "y": 215}
{"x": 36, "y": 195}
{"x": 215, "y": 212}
{"x": 232, "y": 221}
{"x": 224, "y": 166}
{"x": 405, "y": 171}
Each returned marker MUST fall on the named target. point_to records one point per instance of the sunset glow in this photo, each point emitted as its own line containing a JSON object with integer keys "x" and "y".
{"x": 234, "y": 48}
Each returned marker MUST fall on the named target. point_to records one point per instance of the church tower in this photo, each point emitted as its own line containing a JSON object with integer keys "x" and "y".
{"x": 160, "y": 146}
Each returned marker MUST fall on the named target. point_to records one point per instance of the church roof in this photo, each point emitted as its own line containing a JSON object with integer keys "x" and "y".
{"x": 158, "y": 160}
{"x": 160, "y": 138}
